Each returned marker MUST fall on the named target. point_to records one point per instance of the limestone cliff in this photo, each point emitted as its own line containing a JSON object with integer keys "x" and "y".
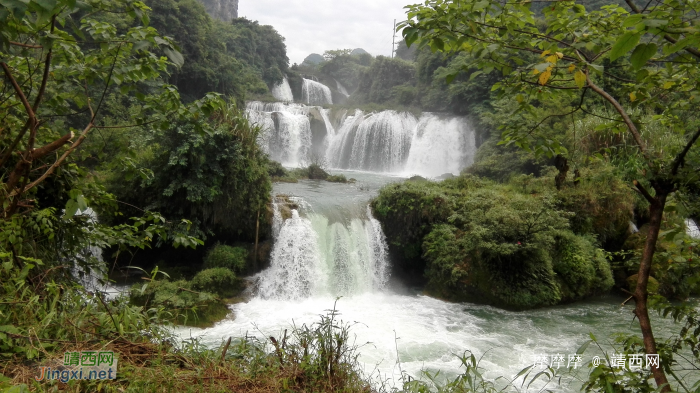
{"x": 221, "y": 9}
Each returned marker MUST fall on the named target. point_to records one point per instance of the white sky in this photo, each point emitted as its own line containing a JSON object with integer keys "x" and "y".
{"x": 314, "y": 26}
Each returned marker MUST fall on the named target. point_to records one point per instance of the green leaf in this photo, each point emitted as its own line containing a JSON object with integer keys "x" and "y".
{"x": 174, "y": 56}
{"x": 632, "y": 20}
{"x": 48, "y": 5}
{"x": 624, "y": 44}
{"x": 642, "y": 53}
{"x": 71, "y": 208}
{"x": 81, "y": 203}
{"x": 17, "y": 7}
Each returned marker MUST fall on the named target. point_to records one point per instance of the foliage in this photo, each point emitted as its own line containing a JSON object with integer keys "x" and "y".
{"x": 507, "y": 245}
{"x": 232, "y": 258}
{"x": 178, "y": 303}
{"x": 220, "y": 281}
{"x": 648, "y": 49}
{"x": 238, "y": 58}
{"x": 216, "y": 177}
{"x": 377, "y": 81}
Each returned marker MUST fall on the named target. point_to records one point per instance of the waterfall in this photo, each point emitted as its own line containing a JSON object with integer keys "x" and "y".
{"x": 287, "y": 133}
{"x": 314, "y": 257}
{"x": 282, "y": 91}
{"x": 341, "y": 89}
{"x": 441, "y": 145}
{"x": 94, "y": 277}
{"x": 315, "y": 93}
{"x": 387, "y": 141}
{"x": 691, "y": 228}
{"x": 377, "y": 142}
{"x": 632, "y": 228}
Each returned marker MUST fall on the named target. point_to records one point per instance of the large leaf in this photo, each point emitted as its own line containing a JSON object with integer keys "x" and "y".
{"x": 642, "y": 53}
{"x": 624, "y": 44}
{"x": 174, "y": 56}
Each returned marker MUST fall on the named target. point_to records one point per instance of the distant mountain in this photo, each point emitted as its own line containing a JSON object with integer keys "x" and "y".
{"x": 358, "y": 51}
{"x": 314, "y": 59}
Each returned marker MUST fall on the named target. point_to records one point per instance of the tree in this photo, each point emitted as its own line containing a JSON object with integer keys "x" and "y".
{"x": 59, "y": 59}
{"x": 644, "y": 57}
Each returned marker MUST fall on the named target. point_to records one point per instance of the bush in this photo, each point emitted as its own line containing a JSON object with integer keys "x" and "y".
{"x": 316, "y": 172}
{"x": 581, "y": 268}
{"x": 182, "y": 306}
{"x": 502, "y": 244}
{"x": 275, "y": 169}
{"x": 232, "y": 258}
{"x": 218, "y": 280}
{"x": 337, "y": 179}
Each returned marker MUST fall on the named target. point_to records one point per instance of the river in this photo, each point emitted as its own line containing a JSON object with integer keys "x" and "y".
{"x": 334, "y": 230}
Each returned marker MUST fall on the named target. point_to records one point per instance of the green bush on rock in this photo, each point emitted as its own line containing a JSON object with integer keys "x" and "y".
{"x": 503, "y": 244}
{"x": 181, "y": 304}
{"x": 232, "y": 258}
{"x": 219, "y": 280}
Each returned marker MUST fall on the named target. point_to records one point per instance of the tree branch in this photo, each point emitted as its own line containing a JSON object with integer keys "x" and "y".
{"x": 20, "y": 93}
{"x": 630, "y": 125}
{"x": 51, "y": 147}
{"x": 59, "y": 161}
{"x": 644, "y": 192}
{"x": 681, "y": 156}
{"x": 25, "y": 45}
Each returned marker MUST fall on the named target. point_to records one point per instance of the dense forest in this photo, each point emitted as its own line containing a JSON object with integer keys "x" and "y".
{"x": 126, "y": 151}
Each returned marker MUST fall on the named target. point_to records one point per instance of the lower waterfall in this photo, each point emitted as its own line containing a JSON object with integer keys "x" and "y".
{"x": 313, "y": 256}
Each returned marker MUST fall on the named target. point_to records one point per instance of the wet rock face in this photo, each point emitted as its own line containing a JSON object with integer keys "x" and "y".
{"x": 224, "y": 10}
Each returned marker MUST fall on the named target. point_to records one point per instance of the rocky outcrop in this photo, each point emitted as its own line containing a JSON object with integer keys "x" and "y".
{"x": 224, "y": 10}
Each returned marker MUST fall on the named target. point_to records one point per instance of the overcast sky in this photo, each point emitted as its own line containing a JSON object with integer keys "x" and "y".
{"x": 314, "y": 26}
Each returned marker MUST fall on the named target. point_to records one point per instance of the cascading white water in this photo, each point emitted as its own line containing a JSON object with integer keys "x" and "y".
{"x": 692, "y": 228}
{"x": 387, "y": 141}
{"x": 282, "y": 91}
{"x": 286, "y": 135}
{"x": 342, "y": 89}
{"x": 377, "y": 142}
{"x": 315, "y": 93}
{"x": 396, "y": 142}
{"x": 315, "y": 257}
{"x": 441, "y": 144}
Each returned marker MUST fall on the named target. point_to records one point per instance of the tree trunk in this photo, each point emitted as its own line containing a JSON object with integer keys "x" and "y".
{"x": 656, "y": 211}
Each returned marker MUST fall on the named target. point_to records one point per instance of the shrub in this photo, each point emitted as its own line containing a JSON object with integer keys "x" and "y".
{"x": 218, "y": 280}
{"x": 275, "y": 169}
{"x": 232, "y": 258}
{"x": 581, "y": 268}
{"x": 182, "y": 305}
{"x": 337, "y": 179}
{"x": 316, "y": 172}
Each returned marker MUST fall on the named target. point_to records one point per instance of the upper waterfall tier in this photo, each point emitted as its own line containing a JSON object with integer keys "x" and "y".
{"x": 315, "y": 93}
{"x": 387, "y": 142}
{"x": 283, "y": 91}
